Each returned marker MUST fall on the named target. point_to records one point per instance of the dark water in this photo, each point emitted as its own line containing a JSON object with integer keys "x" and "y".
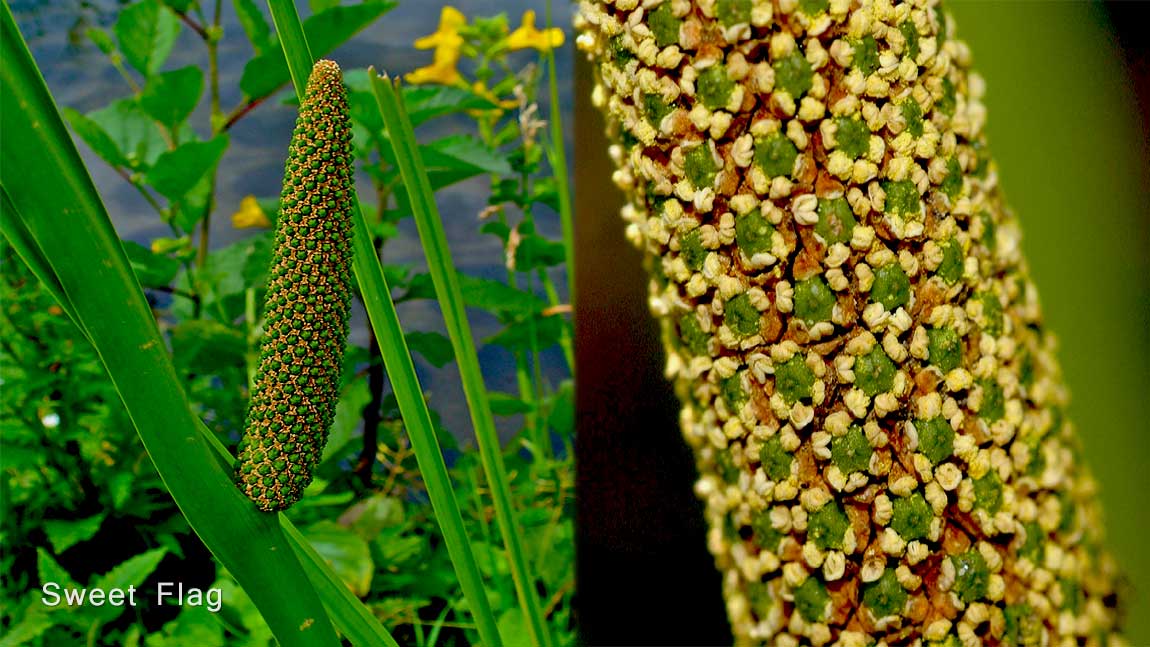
{"x": 80, "y": 76}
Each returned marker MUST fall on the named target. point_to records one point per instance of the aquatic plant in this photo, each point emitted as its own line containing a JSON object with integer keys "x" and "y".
{"x": 875, "y": 408}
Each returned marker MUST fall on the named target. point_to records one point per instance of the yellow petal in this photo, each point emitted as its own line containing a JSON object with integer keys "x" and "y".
{"x": 435, "y": 73}
{"x": 447, "y": 34}
{"x": 528, "y": 37}
{"x": 250, "y": 215}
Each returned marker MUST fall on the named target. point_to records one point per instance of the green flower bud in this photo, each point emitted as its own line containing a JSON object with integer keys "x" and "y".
{"x": 307, "y": 305}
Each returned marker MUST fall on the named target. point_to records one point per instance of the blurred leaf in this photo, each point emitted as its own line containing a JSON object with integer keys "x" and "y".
{"x": 120, "y": 488}
{"x": 435, "y": 347}
{"x": 317, "y": 6}
{"x": 517, "y": 335}
{"x": 190, "y": 208}
{"x": 370, "y": 516}
{"x": 180, "y": 5}
{"x": 196, "y": 626}
{"x": 170, "y": 97}
{"x": 65, "y": 534}
{"x": 465, "y": 149}
{"x": 49, "y": 571}
{"x": 147, "y": 31}
{"x": 346, "y": 552}
{"x": 136, "y": 136}
{"x": 206, "y": 346}
{"x": 426, "y": 102}
{"x": 452, "y": 159}
{"x": 535, "y": 251}
{"x": 237, "y": 603}
{"x": 325, "y": 31}
{"x": 513, "y": 629}
{"x": 37, "y": 619}
{"x": 176, "y": 172}
{"x": 348, "y": 415}
{"x": 95, "y": 137}
{"x": 486, "y": 294}
{"x": 101, "y": 39}
{"x": 505, "y": 404}
{"x": 562, "y": 416}
{"x": 498, "y": 229}
{"x": 254, "y": 24}
{"x": 152, "y": 270}
{"x": 546, "y": 191}
{"x": 492, "y": 560}
{"x": 130, "y": 572}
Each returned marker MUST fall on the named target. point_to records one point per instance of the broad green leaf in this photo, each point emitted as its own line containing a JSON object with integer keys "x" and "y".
{"x": 325, "y": 31}
{"x": 535, "y": 251}
{"x": 204, "y": 346}
{"x": 101, "y": 39}
{"x": 505, "y": 404}
{"x": 318, "y": 6}
{"x": 136, "y": 136}
{"x": 49, "y": 571}
{"x": 147, "y": 31}
{"x": 429, "y": 101}
{"x": 131, "y": 572}
{"x": 192, "y": 206}
{"x": 435, "y": 347}
{"x": 254, "y": 24}
{"x": 372, "y": 515}
{"x": 65, "y": 534}
{"x": 152, "y": 270}
{"x": 517, "y": 336}
{"x": 486, "y": 294}
{"x": 37, "y": 619}
{"x": 346, "y": 552}
{"x": 348, "y": 416}
{"x": 513, "y": 629}
{"x": 176, "y": 172}
{"x": 95, "y": 137}
{"x": 196, "y": 626}
{"x": 180, "y": 5}
{"x": 562, "y": 417}
{"x": 170, "y": 97}
{"x": 468, "y": 150}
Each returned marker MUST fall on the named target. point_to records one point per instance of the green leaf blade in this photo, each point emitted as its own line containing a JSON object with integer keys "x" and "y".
{"x": 147, "y": 32}
{"x": 170, "y": 97}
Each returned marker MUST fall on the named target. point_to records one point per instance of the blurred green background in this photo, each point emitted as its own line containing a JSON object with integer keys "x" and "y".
{"x": 1067, "y": 132}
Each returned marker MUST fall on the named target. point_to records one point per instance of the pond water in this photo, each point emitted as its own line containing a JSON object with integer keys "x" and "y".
{"x": 81, "y": 77}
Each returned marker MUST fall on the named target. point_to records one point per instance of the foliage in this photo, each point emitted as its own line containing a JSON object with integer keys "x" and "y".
{"x": 82, "y": 501}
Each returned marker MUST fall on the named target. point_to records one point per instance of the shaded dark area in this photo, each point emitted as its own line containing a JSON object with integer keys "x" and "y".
{"x": 1128, "y": 20}
{"x": 643, "y": 572}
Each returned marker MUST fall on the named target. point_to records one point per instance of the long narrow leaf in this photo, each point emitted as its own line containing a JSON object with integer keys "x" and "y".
{"x": 29, "y": 251}
{"x": 52, "y": 193}
{"x": 289, "y": 28}
{"x": 416, "y": 418}
{"x": 401, "y": 372}
{"x": 443, "y": 275}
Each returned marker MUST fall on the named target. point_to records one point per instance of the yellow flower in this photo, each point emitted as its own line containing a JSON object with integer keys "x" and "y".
{"x": 442, "y": 70}
{"x": 250, "y": 215}
{"x": 450, "y": 20}
{"x": 447, "y": 43}
{"x": 527, "y": 36}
